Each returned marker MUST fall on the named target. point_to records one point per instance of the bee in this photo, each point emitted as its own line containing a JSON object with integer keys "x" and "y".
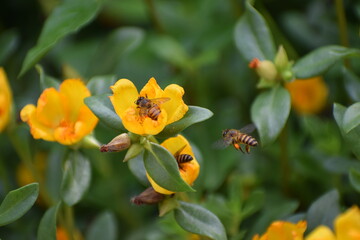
{"x": 182, "y": 158}
{"x": 238, "y": 137}
{"x": 150, "y": 107}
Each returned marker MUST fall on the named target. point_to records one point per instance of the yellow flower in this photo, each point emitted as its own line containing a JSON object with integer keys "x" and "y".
{"x": 281, "y": 230}
{"x": 126, "y": 94}
{"x": 347, "y": 227}
{"x": 189, "y": 171}
{"x": 308, "y": 96}
{"x": 61, "y": 115}
{"x": 5, "y": 100}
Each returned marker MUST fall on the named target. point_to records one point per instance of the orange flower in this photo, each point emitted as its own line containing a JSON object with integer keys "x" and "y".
{"x": 308, "y": 96}
{"x": 124, "y": 98}
{"x": 61, "y": 115}
{"x": 189, "y": 171}
{"x": 281, "y": 230}
{"x": 5, "y": 100}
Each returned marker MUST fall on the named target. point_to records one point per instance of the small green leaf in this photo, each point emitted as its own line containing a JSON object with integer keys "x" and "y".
{"x": 101, "y": 84}
{"x": 323, "y": 211}
{"x": 47, "y": 226}
{"x": 8, "y": 41}
{"x": 136, "y": 166}
{"x": 253, "y": 203}
{"x": 101, "y": 106}
{"x": 193, "y": 115}
{"x": 354, "y": 176}
{"x": 352, "y": 137}
{"x": 67, "y": 18}
{"x": 167, "y": 205}
{"x": 269, "y": 112}
{"x": 104, "y": 227}
{"x": 352, "y": 117}
{"x": 318, "y": 61}
{"x": 120, "y": 42}
{"x": 18, "y": 202}
{"x": 76, "y": 178}
{"x": 170, "y": 50}
{"x": 163, "y": 169}
{"x": 196, "y": 219}
{"x": 253, "y": 37}
{"x": 45, "y": 80}
{"x": 352, "y": 84}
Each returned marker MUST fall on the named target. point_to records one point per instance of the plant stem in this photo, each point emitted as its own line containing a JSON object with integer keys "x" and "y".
{"x": 69, "y": 221}
{"x": 284, "y": 160}
{"x": 153, "y": 15}
{"x": 342, "y": 25}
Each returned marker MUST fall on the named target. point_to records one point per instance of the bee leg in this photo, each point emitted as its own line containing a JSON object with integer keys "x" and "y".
{"x": 238, "y": 147}
{"x": 247, "y": 148}
{"x": 180, "y": 166}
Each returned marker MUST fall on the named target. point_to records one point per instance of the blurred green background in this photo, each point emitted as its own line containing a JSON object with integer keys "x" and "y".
{"x": 190, "y": 43}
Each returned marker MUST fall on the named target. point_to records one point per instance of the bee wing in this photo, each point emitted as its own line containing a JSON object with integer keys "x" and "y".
{"x": 221, "y": 144}
{"x": 248, "y": 128}
{"x": 159, "y": 100}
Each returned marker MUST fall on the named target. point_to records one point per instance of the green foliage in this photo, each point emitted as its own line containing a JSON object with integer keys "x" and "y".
{"x": 197, "y": 219}
{"x": 47, "y": 226}
{"x": 68, "y": 18}
{"x": 270, "y": 112}
{"x": 76, "y": 179}
{"x": 321, "y": 59}
{"x": 17, "y": 203}
{"x": 103, "y": 227}
{"x": 161, "y": 166}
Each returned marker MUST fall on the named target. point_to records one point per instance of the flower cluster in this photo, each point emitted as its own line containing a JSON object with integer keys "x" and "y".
{"x": 347, "y": 227}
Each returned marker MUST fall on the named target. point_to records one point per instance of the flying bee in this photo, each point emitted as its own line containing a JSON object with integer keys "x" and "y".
{"x": 238, "y": 137}
{"x": 182, "y": 158}
{"x": 150, "y": 107}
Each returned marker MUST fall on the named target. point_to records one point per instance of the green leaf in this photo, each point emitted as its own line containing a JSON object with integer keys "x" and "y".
{"x": 352, "y": 84}
{"x": 253, "y": 37}
{"x": 196, "y": 219}
{"x": 67, "y": 18}
{"x": 47, "y": 226}
{"x": 352, "y": 137}
{"x": 161, "y": 165}
{"x": 101, "y": 84}
{"x": 104, "y": 227}
{"x": 120, "y": 42}
{"x": 45, "y": 80}
{"x": 102, "y": 107}
{"x": 17, "y": 203}
{"x": 351, "y": 118}
{"x": 8, "y": 42}
{"x": 76, "y": 178}
{"x": 253, "y": 203}
{"x": 323, "y": 211}
{"x": 269, "y": 112}
{"x": 354, "y": 176}
{"x": 193, "y": 115}
{"x": 136, "y": 166}
{"x": 170, "y": 50}
{"x": 318, "y": 61}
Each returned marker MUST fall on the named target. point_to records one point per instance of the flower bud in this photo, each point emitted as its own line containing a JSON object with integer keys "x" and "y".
{"x": 281, "y": 59}
{"x": 149, "y": 196}
{"x": 119, "y": 143}
{"x": 265, "y": 69}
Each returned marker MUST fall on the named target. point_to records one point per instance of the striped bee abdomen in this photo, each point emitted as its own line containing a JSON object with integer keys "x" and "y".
{"x": 183, "y": 158}
{"x": 154, "y": 113}
{"x": 248, "y": 140}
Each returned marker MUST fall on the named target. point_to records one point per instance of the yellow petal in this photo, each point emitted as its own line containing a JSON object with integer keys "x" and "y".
{"x": 50, "y": 111}
{"x": 281, "y": 230}
{"x": 124, "y": 97}
{"x": 190, "y": 170}
{"x": 74, "y": 91}
{"x": 347, "y": 225}
{"x": 5, "y": 100}
{"x": 37, "y": 129}
{"x": 175, "y": 108}
{"x": 321, "y": 233}
{"x": 152, "y": 90}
